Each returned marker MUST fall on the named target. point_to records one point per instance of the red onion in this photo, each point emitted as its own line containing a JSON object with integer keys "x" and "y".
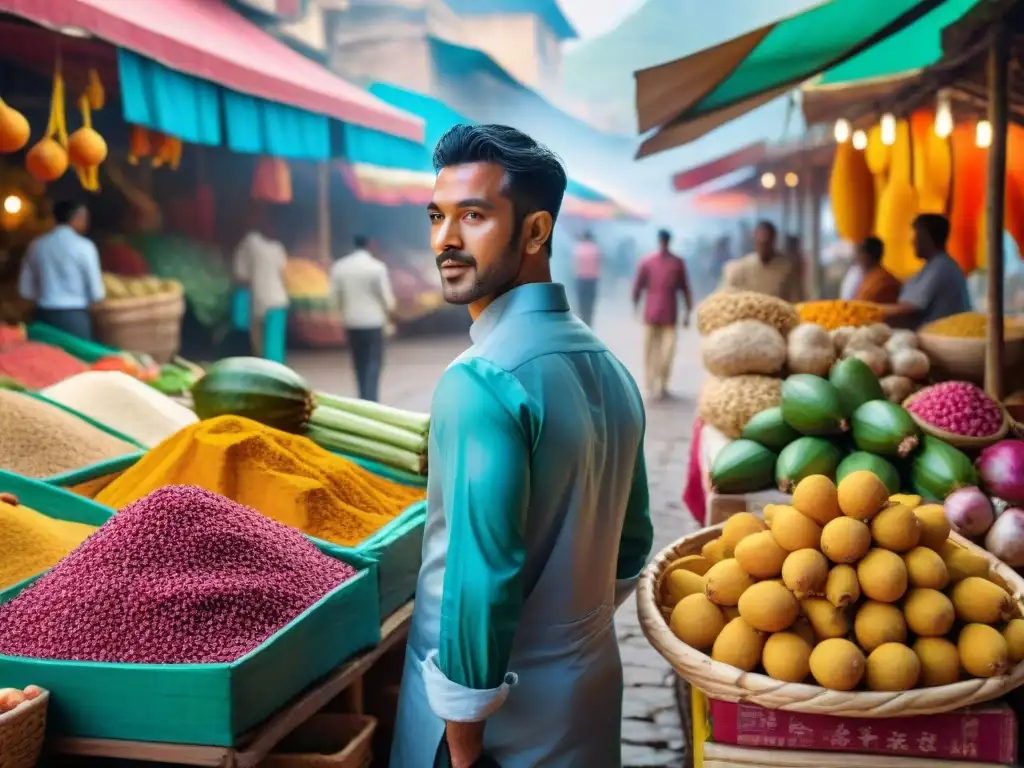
{"x": 969, "y": 512}
{"x": 1001, "y": 468}
{"x": 1005, "y": 538}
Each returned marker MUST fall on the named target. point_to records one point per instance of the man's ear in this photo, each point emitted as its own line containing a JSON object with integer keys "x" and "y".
{"x": 537, "y": 231}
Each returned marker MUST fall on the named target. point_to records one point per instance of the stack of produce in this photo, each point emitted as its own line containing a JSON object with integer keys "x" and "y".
{"x": 33, "y": 542}
{"x": 743, "y": 346}
{"x": 313, "y": 316}
{"x": 176, "y": 377}
{"x": 833, "y": 427}
{"x": 893, "y": 356}
{"x": 182, "y": 576}
{"x": 118, "y": 287}
{"x": 11, "y": 334}
{"x": 35, "y": 365}
{"x": 305, "y": 279}
{"x": 973, "y": 325}
{"x": 141, "y": 366}
{"x": 124, "y": 404}
{"x": 40, "y": 440}
{"x": 12, "y": 697}
{"x": 831, "y": 314}
{"x": 834, "y": 587}
{"x": 273, "y": 394}
{"x": 118, "y": 258}
{"x": 286, "y": 477}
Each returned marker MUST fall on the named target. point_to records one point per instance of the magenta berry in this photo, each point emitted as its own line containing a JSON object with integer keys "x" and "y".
{"x": 959, "y": 408}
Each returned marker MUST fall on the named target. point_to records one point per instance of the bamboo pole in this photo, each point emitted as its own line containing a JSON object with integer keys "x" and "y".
{"x": 998, "y": 102}
{"x": 323, "y": 179}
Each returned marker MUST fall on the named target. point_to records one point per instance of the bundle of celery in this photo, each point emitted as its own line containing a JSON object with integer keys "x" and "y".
{"x": 387, "y": 435}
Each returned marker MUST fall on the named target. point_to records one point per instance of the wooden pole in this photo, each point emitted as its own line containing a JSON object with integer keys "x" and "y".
{"x": 998, "y": 87}
{"x": 814, "y": 179}
{"x": 323, "y": 179}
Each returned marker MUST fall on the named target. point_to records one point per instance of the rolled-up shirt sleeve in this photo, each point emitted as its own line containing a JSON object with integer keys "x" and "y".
{"x": 482, "y": 419}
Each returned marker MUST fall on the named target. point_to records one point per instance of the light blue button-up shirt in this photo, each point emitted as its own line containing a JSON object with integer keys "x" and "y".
{"x": 61, "y": 271}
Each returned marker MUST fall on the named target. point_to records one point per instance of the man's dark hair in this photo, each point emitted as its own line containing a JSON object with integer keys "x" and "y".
{"x": 765, "y": 224}
{"x": 936, "y": 226}
{"x": 874, "y": 248}
{"x": 664, "y": 236}
{"x": 361, "y": 241}
{"x": 535, "y": 179}
{"x": 64, "y": 211}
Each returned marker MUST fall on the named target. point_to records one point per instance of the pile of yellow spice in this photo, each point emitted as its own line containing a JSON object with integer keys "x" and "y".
{"x": 973, "y": 325}
{"x": 31, "y": 542}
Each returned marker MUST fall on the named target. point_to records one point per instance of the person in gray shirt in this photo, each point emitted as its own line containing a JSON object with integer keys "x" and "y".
{"x": 939, "y": 289}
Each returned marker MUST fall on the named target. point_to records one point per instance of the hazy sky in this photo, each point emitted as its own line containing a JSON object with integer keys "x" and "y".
{"x": 593, "y": 17}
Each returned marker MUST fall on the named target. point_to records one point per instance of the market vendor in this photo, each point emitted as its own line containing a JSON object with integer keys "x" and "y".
{"x": 61, "y": 272}
{"x": 259, "y": 264}
{"x": 877, "y": 284}
{"x": 767, "y": 269}
{"x": 939, "y": 289}
{"x": 537, "y": 488}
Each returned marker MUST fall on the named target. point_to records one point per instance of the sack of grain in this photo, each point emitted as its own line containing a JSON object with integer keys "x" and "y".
{"x": 727, "y": 307}
{"x": 747, "y": 346}
{"x": 728, "y": 404}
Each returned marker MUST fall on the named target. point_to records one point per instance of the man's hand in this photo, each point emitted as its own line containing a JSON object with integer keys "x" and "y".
{"x": 465, "y": 743}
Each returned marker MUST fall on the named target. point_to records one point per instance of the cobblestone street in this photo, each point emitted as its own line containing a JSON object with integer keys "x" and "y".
{"x": 652, "y": 734}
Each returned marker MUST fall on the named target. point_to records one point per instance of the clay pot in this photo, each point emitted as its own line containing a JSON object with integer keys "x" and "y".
{"x": 86, "y": 148}
{"x": 47, "y": 160}
{"x": 14, "y": 129}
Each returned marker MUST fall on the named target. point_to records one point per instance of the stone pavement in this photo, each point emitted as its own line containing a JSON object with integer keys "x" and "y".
{"x": 651, "y": 731}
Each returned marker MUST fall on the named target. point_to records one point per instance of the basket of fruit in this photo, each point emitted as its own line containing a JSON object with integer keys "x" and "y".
{"x": 960, "y": 414}
{"x": 22, "y": 726}
{"x": 811, "y": 609}
{"x": 141, "y": 315}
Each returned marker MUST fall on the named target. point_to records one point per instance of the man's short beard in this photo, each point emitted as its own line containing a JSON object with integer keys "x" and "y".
{"x": 495, "y": 281}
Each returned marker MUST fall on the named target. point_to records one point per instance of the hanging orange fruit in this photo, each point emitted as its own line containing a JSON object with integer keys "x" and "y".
{"x": 86, "y": 148}
{"x": 47, "y": 160}
{"x": 14, "y": 130}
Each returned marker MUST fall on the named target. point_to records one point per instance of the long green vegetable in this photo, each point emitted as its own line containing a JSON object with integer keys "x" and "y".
{"x": 396, "y": 417}
{"x": 360, "y": 426}
{"x": 370, "y": 449}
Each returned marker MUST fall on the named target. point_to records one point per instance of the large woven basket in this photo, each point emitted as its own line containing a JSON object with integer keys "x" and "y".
{"x": 326, "y": 741}
{"x": 22, "y": 733}
{"x": 727, "y": 683}
{"x": 957, "y": 358}
{"x": 149, "y": 324}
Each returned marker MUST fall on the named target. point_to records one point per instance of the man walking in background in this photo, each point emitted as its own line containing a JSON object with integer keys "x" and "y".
{"x": 61, "y": 273}
{"x": 659, "y": 280}
{"x": 362, "y": 290}
{"x": 259, "y": 263}
{"x": 766, "y": 270}
{"x": 586, "y": 257}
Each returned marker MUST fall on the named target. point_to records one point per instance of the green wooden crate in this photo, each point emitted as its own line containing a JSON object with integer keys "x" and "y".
{"x": 53, "y": 501}
{"x": 398, "y": 549}
{"x": 207, "y": 704}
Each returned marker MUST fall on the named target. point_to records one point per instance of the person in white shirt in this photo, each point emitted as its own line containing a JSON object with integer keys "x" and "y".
{"x": 259, "y": 264}
{"x": 362, "y": 290}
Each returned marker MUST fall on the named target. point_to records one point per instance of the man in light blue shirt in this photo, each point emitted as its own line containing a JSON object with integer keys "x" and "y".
{"x": 538, "y": 519}
{"x": 61, "y": 272}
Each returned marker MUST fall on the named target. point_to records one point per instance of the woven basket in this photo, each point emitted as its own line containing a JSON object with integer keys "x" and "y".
{"x": 727, "y": 683}
{"x": 958, "y": 358}
{"x": 963, "y": 442}
{"x": 22, "y": 733}
{"x": 326, "y": 741}
{"x": 147, "y": 324}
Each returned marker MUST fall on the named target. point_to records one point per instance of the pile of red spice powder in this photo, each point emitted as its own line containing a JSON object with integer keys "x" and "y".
{"x": 182, "y": 576}
{"x": 37, "y": 365}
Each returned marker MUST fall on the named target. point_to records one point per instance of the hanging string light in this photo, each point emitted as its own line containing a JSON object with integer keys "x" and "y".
{"x": 943, "y": 115}
{"x": 842, "y": 131}
{"x": 888, "y": 125}
{"x": 983, "y": 134}
{"x": 791, "y": 179}
{"x": 860, "y": 140}
{"x": 768, "y": 180}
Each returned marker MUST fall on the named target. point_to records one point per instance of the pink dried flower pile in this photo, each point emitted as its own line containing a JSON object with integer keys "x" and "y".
{"x": 182, "y": 576}
{"x": 959, "y": 408}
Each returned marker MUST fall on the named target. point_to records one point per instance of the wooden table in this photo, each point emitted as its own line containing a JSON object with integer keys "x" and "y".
{"x": 254, "y": 746}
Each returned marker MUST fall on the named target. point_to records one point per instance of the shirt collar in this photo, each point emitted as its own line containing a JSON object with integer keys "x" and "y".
{"x": 533, "y": 297}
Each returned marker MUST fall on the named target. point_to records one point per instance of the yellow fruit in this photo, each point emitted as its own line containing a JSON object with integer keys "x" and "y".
{"x": 983, "y": 651}
{"x": 845, "y": 540}
{"x": 842, "y": 588}
{"x": 693, "y": 563}
{"x": 769, "y": 607}
{"x": 739, "y": 645}
{"x": 877, "y": 624}
{"x": 896, "y": 529}
{"x": 803, "y": 628}
{"x": 837, "y": 664}
{"x": 925, "y": 568}
{"x": 979, "y": 601}
{"x": 805, "y": 572}
{"x": 677, "y": 584}
{"x": 929, "y": 613}
{"x": 961, "y": 563}
{"x": 760, "y": 556}
{"x": 725, "y": 582}
{"x": 861, "y": 495}
{"x": 787, "y": 657}
{"x": 793, "y": 531}
{"x": 714, "y": 551}
{"x": 892, "y": 667}
{"x": 1013, "y": 633}
{"x": 697, "y": 621}
{"x": 816, "y": 497}
{"x": 940, "y": 661}
{"x": 730, "y": 612}
{"x": 934, "y": 525}
{"x": 882, "y": 576}
{"x": 906, "y": 499}
{"x": 769, "y": 513}
{"x": 738, "y": 527}
{"x": 826, "y": 620}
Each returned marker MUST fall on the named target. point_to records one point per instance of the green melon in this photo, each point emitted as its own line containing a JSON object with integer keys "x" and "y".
{"x": 882, "y": 469}
{"x": 810, "y": 405}
{"x": 885, "y": 429}
{"x": 257, "y": 389}
{"x": 804, "y": 457}
{"x": 770, "y": 430}
{"x": 856, "y": 384}
{"x": 741, "y": 467}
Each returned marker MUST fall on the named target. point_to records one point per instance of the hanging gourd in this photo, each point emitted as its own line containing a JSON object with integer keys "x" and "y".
{"x": 48, "y": 159}
{"x": 852, "y": 192}
{"x": 877, "y": 155}
{"x": 87, "y": 149}
{"x": 95, "y": 92}
{"x": 272, "y": 181}
{"x": 968, "y": 198}
{"x": 139, "y": 144}
{"x": 14, "y": 129}
{"x": 933, "y": 164}
{"x": 168, "y": 152}
{"x": 897, "y": 209}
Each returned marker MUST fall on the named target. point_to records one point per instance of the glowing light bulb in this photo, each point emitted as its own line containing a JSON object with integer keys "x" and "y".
{"x": 12, "y": 204}
{"x": 943, "y": 116}
{"x": 842, "y": 131}
{"x": 791, "y": 179}
{"x": 860, "y": 140}
{"x": 888, "y": 125}
{"x": 983, "y": 134}
{"x": 768, "y": 180}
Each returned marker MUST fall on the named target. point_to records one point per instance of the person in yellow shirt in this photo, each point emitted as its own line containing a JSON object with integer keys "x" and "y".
{"x": 766, "y": 270}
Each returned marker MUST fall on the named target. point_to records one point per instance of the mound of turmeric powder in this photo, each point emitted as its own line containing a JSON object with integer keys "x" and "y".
{"x": 286, "y": 477}
{"x": 31, "y": 542}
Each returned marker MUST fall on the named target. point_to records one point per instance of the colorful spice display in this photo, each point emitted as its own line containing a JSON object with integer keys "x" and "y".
{"x": 183, "y": 576}
{"x": 37, "y": 365}
{"x": 835, "y": 313}
{"x": 973, "y": 325}
{"x": 33, "y": 542}
{"x": 286, "y": 477}
{"x": 38, "y": 439}
{"x": 959, "y": 408}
